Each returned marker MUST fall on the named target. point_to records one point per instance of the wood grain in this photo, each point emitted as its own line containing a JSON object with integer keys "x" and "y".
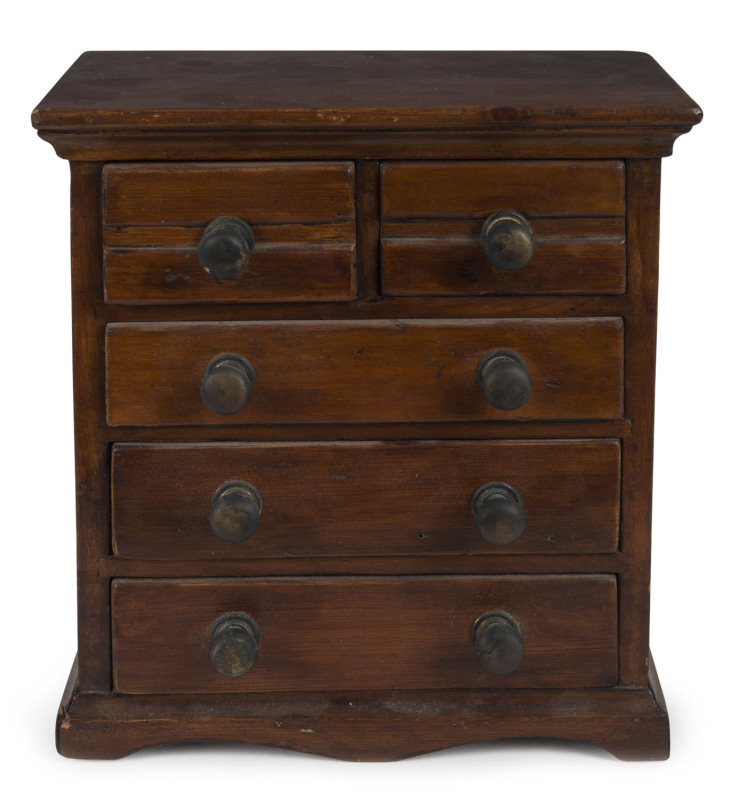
{"x": 397, "y": 371}
{"x": 476, "y": 189}
{"x": 433, "y": 212}
{"x": 267, "y": 236}
{"x": 439, "y": 564}
{"x": 369, "y": 219}
{"x": 373, "y": 90}
{"x": 458, "y": 266}
{"x": 505, "y": 141}
{"x": 360, "y": 634}
{"x": 93, "y": 538}
{"x": 369, "y": 498}
{"x": 260, "y": 193}
{"x": 138, "y": 276}
{"x": 302, "y": 214}
{"x": 643, "y": 221}
{"x": 359, "y": 432}
{"x": 383, "y": 308}
{"x": 370, "y": 172}
{"x": 631, "y": 723}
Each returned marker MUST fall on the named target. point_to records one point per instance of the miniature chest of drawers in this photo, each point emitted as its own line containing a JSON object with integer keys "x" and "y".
{"x": 363, "y": 370}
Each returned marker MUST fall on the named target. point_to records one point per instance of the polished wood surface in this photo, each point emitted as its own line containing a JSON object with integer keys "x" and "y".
{"x": 446, "y": 257}
{"x": 493, "y": 563}
{"x": 360, "y": 432}
{"x": 643, "y": 200}
{"x": 631, "y": 723}
{"x": 291, "y": 272}
{"x": 302, "y": 216}
{"x": 398, "y": 371}
{"x": 91, "y": 452}
{"x": 194, "y": 194}
{"x": 369, "y": 498}
{"x": 433, "y": 213}
{"x": 655, "y": 141}
{"x": 367, "y": 303}
{"x": 357, "y": 634}
{"x": 467, "y": 189}
{"x": 221, "y": 90}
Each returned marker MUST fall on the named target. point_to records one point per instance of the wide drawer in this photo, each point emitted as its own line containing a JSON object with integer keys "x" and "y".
{"x": 372, "y": 371}
{"x": 381, "y": 633}
{"x": 302, "y": 216}
{"x": 433, "y": 212}
{"x": 362, "y": 498}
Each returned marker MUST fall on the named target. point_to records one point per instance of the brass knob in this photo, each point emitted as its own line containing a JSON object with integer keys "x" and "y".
{"x": 498, "y": 511}
{"x": 234, "y": 644}
{"x": 508, "y": 240}
{"x": 498, "y": 644}
{"x": 504, "y": 379}
{"x": 235, "y": 511}
{"x": 227, "y": 383}
{"x": 225, "y": 247}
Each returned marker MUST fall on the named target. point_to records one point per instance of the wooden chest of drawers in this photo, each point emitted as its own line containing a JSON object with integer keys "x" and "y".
{"x": 364, "y": 362}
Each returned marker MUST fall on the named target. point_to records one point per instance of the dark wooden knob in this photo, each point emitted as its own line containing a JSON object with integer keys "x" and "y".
{"x": 225, "y": 247}
{"x": 508, "y": 240}
{"x": 499, "y": 514}
{"x": 504, "y": 379}
{"x": 235, "y": 511}
{"x": 234, "y": 644}
{"x": 498, "y": 644}
{"x": 227, "y": 383}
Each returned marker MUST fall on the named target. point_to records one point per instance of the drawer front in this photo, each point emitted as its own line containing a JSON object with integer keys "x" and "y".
{"x": 363, "y": 498}
{"x": 350, "y": 634}
{"x": 432, "y": 216}
{"x": 376, "y": 371}
{"x": 302, "y": 216}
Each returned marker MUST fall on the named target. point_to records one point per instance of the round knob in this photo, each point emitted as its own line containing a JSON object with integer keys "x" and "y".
{"x": 504, "y": 379}
{"x": 235, "y": 511}
{"x": 508, "y": 240}
{"x": 498, "y": 644}
{"x": 225, "y": 247}
{"x": 499, "y": 514}
{"x": 234, "y": 644}
{"x": 227, "y": 383}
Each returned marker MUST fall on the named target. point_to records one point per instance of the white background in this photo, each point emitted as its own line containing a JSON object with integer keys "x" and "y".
{"x": 690, "y": 622}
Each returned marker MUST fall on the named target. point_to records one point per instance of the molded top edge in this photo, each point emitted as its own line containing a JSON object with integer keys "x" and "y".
{"x": 224, "y": 91}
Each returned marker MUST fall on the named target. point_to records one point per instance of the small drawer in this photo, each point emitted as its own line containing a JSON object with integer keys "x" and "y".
{"x": 214, "y": 373}
{"x": 299, "y": 244}
{"x": 570, "y": 226}
{"x": 282, "y": 634}
{"x": 232, "y": 500}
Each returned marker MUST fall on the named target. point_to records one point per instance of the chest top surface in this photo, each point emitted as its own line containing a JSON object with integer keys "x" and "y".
{"x": 350, "y": 90}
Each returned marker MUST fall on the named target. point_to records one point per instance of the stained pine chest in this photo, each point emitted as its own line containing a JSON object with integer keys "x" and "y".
{"x": 363, "y": 375}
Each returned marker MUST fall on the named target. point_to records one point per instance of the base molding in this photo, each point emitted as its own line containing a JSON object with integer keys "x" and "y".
{"x": 630, "y": 722}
